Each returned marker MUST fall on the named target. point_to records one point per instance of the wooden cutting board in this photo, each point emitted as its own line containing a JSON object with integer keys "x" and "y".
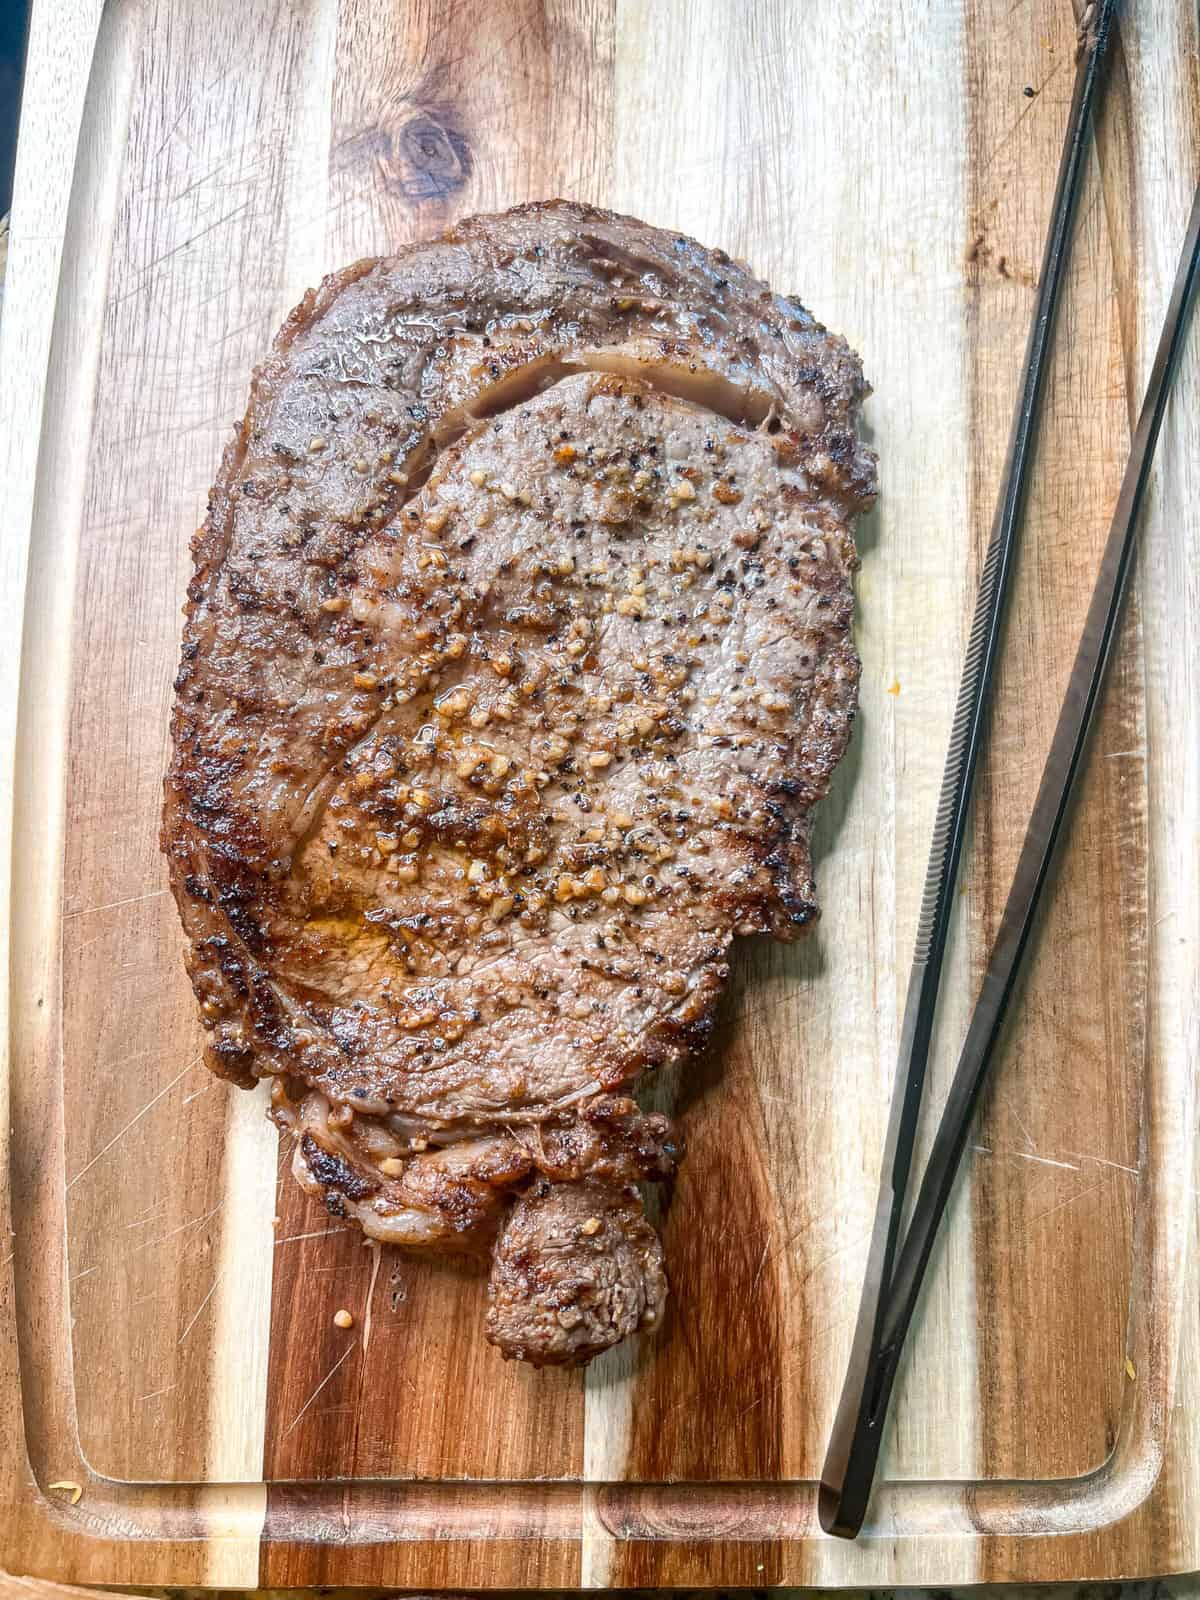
{"x": 167, "y": 1341}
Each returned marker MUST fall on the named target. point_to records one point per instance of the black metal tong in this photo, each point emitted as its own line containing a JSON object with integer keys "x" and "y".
{"x": 895, "y": 1266}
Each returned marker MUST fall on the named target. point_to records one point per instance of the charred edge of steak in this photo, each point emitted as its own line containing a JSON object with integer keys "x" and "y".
{"x": 333, "y": 1172}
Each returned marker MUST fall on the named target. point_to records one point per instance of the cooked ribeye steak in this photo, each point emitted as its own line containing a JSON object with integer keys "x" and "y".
{"x": 517, "y": 656}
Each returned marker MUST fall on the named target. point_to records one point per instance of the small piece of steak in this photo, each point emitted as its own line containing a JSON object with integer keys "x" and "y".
{"x": 517, "y": 656}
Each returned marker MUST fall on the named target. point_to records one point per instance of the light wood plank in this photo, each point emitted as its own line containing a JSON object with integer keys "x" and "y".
{"x": 449, "y": 115}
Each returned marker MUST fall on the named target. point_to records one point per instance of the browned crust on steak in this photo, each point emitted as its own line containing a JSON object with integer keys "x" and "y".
{"x": 576, "y": 1269}
{"x": 556, "y": 480}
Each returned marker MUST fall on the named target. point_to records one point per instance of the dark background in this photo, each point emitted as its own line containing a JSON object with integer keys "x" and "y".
{"x": 14, "y": 18}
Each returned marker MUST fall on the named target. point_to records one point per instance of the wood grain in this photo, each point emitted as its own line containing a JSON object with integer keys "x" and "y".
{"x": 167, "y": 1306}
{"x": 1083, "y": 995}
{"x": 441, "y": 118}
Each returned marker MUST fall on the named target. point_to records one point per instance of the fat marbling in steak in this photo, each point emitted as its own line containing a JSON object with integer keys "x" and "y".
{"x": 517, "y": 656}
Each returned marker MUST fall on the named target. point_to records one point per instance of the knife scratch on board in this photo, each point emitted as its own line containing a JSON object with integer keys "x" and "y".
{"x": 133, "y": 1121}
{"x": 346, "y": 1354}
{"x": 195, "y": 1317}
{"x": 192, "y": 1222}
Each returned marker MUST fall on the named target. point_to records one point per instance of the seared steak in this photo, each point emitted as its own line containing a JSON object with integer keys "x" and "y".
{"x": 517, "y": 656}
